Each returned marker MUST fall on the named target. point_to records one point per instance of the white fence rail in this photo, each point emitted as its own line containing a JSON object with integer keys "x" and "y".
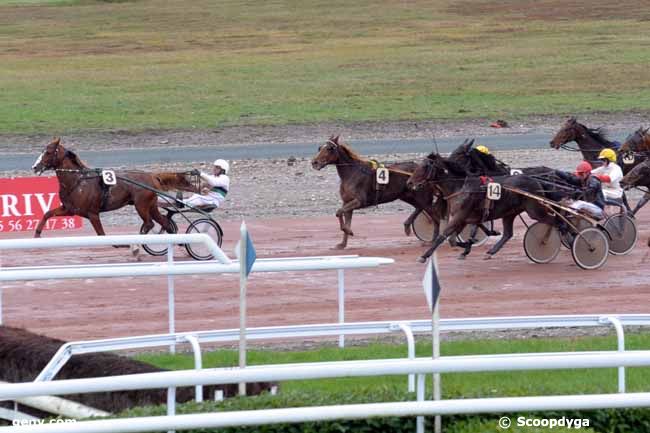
{"x": 451, "y": 364}
{"x": 362, "y": 328}
{"x": 221, "y": 265}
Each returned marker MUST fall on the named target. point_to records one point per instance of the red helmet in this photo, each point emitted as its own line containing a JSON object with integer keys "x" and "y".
{"x": 583, "y": 167}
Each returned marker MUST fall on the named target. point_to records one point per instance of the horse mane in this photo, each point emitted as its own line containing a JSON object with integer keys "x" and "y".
{"x": 598, "y": 134}
{"x": 351, "y": 153}
{"x": 75, "y": 158}
{"x": 451, "y": 166}
{"x": 487, "y": 162}
{"x": 454, "y": 168}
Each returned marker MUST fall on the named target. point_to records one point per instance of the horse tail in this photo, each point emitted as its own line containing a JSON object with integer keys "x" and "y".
{"x": 174, "y": 181}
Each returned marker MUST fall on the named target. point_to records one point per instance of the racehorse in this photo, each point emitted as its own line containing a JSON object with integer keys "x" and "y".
{"x": 590, "y": 140}
{"x": 359, "y": 187}
{"x": 83, "y": 192}
{"x": 468, "y": 204}
{"x": 637, "y": 142}
{"x": 639, "y": 177}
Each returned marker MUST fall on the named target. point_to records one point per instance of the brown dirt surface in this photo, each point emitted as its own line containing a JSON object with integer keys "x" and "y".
{"x": 290, "y": 212}
{"x": 506, "y": 285}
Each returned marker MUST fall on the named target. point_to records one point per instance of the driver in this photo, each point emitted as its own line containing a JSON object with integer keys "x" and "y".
{"x": 610, "y": 174}
{"x": 218, "y": 182}
{"x": 212, "y": 196}
{"x": 591, "y": 198}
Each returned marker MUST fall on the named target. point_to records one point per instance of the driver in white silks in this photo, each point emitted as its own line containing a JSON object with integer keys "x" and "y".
{"x": 218, "y": 183}
{"x": 214, "y": 196}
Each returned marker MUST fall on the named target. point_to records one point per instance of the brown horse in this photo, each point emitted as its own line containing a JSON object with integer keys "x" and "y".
{"x": 466, "y": 199}
{"x": 83, "y": 192}
{"x": 590, "y": 140}
{"x": 359, "y": 187}
{"x": 637, "y": 142}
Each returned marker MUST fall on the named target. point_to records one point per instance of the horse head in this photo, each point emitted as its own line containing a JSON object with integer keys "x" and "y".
{"x": 569, "y": 132}
{"x": 431, "y": 169}
{"x": 638, "y": 176}
{"x": 638, "y": 141}
{"x": 327, "y": 154}
{"x": 51, "y": 158}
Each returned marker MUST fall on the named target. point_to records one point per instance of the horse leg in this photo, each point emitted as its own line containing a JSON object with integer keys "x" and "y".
{"x": 346, "y": 227}
{"x": 59, "y": 211}
{"x": 508, "y": 223}
{"x": 97, "y": 225}
{"x": 409, "y": 221}
{"x": 452, "y": 229}
{"x": 161, "y": 219}
{"x": 347, "y": 231}
{"x": 437, "y": 213}
{"x": 488, "y": 231}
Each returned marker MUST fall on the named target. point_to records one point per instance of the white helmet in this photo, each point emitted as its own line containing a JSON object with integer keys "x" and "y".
{"x": 223, "y": 164}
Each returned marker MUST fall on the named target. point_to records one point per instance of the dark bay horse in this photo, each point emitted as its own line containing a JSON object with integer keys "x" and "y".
{"x": 467, "y": 200}
{"x": 638, "y": 142}
{"x": 359, "y": 187}
{"x": 82, "y": 191}
{"x": 590, "y": 140}
{"x": 637, "y": 145}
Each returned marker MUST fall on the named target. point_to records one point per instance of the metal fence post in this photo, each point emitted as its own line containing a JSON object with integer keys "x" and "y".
{"x": 171, "y": 404}
{"x": 170, "y": 298}
{"x": 620, "y": 336}
{"x": 419, "y": 421}
{"x": 341, "y": 285}
{"x": 410, "y": 342}
{"x": 198, "y": 363}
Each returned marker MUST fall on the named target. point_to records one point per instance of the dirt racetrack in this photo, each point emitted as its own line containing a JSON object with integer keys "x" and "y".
{"x": 509, "y": 284}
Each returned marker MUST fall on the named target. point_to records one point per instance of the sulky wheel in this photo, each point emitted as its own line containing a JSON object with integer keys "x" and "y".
{"x": 542, "y": 242}
{"x": 209, "y": 227}
{"x": 157, "y": 249}
{"x": 590, "y": 248}
{"x": 423, "y": 227}
{"x": 623, "y": 234}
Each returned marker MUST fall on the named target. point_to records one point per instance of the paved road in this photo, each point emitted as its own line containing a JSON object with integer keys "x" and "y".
{"x": 276, "y": 150}
{"x": 130, "y": 157}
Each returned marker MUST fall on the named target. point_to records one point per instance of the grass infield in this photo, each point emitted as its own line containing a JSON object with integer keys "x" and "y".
{"x": 83, "y": 65}
{"x": 466, "y": 385}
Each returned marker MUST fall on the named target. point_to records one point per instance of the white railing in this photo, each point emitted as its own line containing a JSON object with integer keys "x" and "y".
{"x": 450, "y": 364}
{"x": 72, "y": 348}
{"x": 221, "y": 265}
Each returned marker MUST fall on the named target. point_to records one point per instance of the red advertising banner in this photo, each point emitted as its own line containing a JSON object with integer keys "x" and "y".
{"x": 24, "y": 201}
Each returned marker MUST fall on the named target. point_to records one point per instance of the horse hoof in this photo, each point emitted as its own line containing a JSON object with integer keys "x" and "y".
{"x": 487, "y": 257}
{"x": 339, "y": 246}
{"x": 135, "y": 250}
{"x": 407, "y": 230}
{"x": 462, "y": 257}
{"x": 422, "y": 259}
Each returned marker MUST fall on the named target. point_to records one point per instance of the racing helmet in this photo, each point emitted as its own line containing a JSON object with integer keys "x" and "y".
{"x": 483, "y": 149}
{"x": 223, "y": 164}
{"x": 607, "y": 154}
{"x": 583, "y": 167}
